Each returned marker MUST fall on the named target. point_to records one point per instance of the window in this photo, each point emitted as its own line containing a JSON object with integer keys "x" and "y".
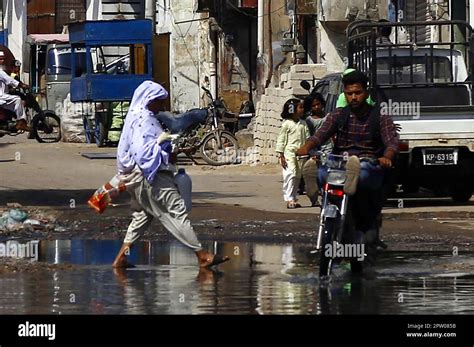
{"x": 423, "y": 67}
{"x": 59, "y": 61}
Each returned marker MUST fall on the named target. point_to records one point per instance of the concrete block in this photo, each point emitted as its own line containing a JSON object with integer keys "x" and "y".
{"x": 283, "y": 93}
{"x": 300, "y": 92}
{"x": 319, "y": 70}
{"x": 302, "y": 76}
{"x": 298, "y": 68}
{"x": 270, "y": 92}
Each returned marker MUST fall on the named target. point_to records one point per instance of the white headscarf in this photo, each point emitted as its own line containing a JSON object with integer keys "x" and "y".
{"x": 140, "y": 125}
{"x": 146, "y": 92}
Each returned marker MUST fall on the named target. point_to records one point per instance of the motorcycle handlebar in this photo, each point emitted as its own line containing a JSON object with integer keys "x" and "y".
{"x": 320, "y": 154}
{"x": 208, "y": 92}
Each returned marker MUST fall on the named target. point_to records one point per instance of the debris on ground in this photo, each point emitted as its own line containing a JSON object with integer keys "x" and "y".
{"x": 17, "y": 219}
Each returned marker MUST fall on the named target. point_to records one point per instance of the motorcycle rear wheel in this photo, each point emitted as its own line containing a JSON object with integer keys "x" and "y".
{"x": 46, "y": 128}
{"x": 216, "y": 155}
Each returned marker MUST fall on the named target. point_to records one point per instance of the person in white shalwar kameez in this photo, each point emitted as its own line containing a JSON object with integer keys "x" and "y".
{"x": 294, "y": 132}
{"x": 12, "y": 102}
{"x": 156, "y": 195}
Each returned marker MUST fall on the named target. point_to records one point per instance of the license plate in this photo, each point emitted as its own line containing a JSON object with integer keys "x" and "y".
{"x": 440, "y": 156}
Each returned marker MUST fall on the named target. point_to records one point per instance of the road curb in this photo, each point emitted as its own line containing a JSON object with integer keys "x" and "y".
{"x": 429, "y": 215}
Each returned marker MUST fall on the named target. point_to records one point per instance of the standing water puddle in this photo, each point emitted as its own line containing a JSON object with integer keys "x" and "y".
{"x": 260, "y": 279}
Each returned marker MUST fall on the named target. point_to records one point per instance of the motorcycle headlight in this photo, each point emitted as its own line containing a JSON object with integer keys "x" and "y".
{"x": 337, "y": 177}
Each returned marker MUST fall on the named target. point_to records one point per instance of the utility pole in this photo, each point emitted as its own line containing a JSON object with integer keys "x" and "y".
{"x": 261, "y": 28}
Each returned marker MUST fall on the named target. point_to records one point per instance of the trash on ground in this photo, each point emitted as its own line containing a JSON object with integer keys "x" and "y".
{"x": 16, "y": 219}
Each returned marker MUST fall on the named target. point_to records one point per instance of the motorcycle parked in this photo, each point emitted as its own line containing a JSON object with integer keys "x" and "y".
{"x": 45, "y": 126}
{"x": 337, "y": 225}
{"x": 204, "y": 130}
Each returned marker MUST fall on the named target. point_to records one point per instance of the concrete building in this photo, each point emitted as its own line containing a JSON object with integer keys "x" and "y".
{"x": 243, "y": 50}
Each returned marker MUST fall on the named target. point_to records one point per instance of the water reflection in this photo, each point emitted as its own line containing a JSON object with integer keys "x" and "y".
{"x": 260, "y": 279}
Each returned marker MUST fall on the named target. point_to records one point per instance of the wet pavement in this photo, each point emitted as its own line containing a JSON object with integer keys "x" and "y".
{"x": 260, "y": 279}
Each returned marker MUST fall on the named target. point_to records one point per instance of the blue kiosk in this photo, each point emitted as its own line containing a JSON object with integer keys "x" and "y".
{"x": 109, "y": 60}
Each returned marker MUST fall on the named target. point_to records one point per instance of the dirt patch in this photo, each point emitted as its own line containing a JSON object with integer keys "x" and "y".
{"x": 14, "y": 265}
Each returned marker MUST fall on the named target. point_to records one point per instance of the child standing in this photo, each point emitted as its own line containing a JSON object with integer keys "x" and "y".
{"x": 314, "y": 110}
{"x": 293, "y": 135}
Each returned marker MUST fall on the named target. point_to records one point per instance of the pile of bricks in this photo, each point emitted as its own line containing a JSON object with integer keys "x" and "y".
{"x": 268, "y": 120}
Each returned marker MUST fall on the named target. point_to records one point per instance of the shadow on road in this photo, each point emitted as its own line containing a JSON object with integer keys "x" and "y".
{"x": 48, "y": 197}
{"x": 65, "y": 197}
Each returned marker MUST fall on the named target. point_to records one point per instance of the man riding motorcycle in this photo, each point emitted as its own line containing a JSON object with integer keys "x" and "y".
{"x": 9, "y": 101}
{"x": 361, "y": 132}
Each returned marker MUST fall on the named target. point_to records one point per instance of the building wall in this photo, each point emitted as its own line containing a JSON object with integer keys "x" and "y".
{"x": 189, "y": 50}
{"x": 471, "y": 13}
{"x": 237, "y": 50}
{"x": 15, "y": 21}
{"x": 94, "y": 10}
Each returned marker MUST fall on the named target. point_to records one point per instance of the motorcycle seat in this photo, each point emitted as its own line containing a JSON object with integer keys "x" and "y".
{"x": 179, "y": 123}
{"x": 6, "y": 115}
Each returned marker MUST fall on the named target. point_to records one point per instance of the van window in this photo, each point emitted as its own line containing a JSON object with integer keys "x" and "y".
{"x": 59, "y": 61}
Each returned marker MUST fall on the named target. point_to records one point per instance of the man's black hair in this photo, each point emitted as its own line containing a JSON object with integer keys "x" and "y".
{"x": 355, "y": 77}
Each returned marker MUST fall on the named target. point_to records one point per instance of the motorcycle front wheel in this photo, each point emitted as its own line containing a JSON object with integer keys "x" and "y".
{"x": 46, "y": 128}
{"x": 325, "y": 262}
{"x": 223, "y": 152}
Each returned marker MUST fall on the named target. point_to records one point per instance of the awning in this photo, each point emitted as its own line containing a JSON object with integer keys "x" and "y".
{"x": 47, "y": 38}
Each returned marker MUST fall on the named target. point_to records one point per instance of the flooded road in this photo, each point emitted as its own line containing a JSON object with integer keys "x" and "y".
{"x": 260, "y": 279}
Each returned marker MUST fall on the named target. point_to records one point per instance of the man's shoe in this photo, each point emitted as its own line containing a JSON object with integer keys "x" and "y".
{"x": 22, "y": 125}
{"x": 352, "y": 172}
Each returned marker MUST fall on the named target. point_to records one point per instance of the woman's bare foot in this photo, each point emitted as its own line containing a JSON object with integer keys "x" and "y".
{"x": 122, "y": 263}
{"x": 121, "y": 259}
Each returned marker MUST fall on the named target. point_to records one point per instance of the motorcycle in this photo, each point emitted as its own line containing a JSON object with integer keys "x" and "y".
{"x": 45, "y": 126}
{"x": 336, "y": 225}
{"x": 204, "y": 130}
